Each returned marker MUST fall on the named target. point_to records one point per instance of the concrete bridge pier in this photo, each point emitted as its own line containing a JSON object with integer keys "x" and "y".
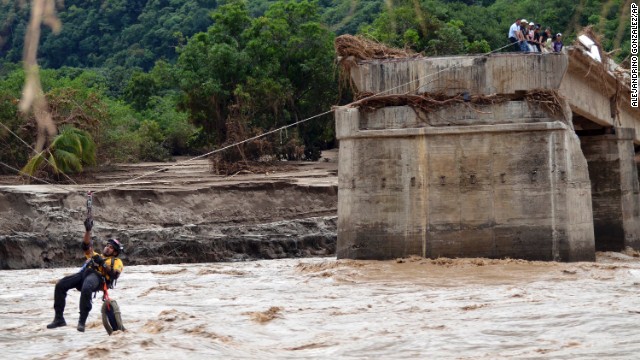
{"x": 615, "y": 189}
{"x": 509, "y": 180}
{"x": 503, "y": 178}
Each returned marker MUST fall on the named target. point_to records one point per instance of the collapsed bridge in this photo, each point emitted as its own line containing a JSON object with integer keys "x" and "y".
{"x": 501, "y": 155}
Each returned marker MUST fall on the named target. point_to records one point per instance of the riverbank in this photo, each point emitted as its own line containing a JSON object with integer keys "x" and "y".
{"x": 175, "y": 213}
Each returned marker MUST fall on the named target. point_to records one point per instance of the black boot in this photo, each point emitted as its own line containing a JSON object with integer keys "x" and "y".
{"x": 82, "y": 321}
{"x": 58, "y": 321}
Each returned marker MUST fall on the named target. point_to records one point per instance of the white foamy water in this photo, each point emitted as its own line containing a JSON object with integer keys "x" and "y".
{"x": 324, "y": 308}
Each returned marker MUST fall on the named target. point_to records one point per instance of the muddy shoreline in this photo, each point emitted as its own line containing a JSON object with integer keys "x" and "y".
{"x": 183, "y": 214}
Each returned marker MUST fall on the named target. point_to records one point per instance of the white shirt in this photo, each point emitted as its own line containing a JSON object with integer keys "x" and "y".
{"x": 512, "y": 30}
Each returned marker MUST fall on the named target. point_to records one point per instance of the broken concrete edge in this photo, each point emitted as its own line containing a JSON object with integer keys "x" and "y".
{"x": 459, "y": 117}
{"x": 425, "y": 103}
{"x": 472, "y": 129}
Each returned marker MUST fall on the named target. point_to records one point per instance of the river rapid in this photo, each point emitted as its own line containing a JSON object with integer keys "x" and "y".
{"x": 319, "y": 308}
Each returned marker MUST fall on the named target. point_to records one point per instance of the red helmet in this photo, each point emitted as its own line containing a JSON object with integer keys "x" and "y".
{"x": 117, "y": 246}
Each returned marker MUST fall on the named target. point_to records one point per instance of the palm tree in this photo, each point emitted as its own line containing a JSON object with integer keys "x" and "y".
{"x": 68, "y": 152}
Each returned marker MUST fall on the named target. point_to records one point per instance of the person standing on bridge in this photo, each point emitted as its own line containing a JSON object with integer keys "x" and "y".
{"x": 522, "y": 35}
{"x": 513, "y": 37}
{"x": 537, "y": 43}
{"x": 557, "y": 43}
{"x": 98, "y": 269}
{"x": 546, "y": 40}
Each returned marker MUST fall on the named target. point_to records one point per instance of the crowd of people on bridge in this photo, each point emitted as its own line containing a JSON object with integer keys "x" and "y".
{"x": 528, "y": 36}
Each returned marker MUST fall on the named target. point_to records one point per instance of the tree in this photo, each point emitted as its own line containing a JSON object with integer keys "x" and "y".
{"x": 268, "y": 72}
{"x": 13, "y": 131}
{"x": 69, "y": 151}
{"x": 295, "y": 75}
{"x": 112, "y": 33}
{"x": 210, "y": 67}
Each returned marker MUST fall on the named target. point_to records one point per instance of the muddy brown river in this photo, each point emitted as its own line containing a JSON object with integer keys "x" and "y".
{"x": 318, "y": 308}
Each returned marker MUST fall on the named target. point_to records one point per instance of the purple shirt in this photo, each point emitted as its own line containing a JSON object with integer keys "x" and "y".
{"x": 557, "y": 46}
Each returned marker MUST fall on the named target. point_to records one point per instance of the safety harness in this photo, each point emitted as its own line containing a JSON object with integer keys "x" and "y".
{"x": 111, "y": 283}
{"x": 106, "y": 284}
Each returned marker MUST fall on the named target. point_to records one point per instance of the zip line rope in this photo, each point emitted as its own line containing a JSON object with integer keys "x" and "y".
{"x": 267, "y": 133}
{"x": 492, "y": 51}
{"x": 212, "y": 152}
{"x": 249, "y": 139}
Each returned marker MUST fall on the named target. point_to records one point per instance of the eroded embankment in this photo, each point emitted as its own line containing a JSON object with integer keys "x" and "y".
{"x": 219, "y": 223}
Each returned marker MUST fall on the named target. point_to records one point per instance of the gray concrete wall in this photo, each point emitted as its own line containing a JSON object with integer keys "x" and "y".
{"x": 513, "y": 184}
{"x": 495, "y": 74}
{"x": 501, "y": 113}
{"x": 614, "y": 188}
{"x": 500, "y": 180}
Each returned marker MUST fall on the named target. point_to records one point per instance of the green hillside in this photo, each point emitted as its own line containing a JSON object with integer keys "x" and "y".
{"x": 137, "y": 33}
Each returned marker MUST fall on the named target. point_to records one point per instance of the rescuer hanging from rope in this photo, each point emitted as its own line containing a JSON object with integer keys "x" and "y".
{"x": 99, "y": 269}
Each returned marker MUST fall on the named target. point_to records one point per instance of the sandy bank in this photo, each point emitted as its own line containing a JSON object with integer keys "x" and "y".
{"x": 181, "y": 214}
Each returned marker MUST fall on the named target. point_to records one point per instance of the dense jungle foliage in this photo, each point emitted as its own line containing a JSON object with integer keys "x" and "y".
{"x": 152, "y": 79}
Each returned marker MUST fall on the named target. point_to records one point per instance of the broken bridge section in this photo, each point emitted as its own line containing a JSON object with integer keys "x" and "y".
{"x": 486, "y": 162}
